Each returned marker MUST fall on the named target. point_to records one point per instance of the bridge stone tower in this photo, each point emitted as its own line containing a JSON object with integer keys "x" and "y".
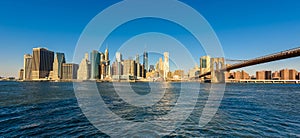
{"x": 216, "y": 64}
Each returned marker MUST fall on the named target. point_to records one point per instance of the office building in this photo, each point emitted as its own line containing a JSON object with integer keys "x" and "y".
{"x": 69, "y": 71}
{"x": 57, "y": 66}
{"x": 42, "y": 63}
{"x": 276, "y": 75}
{"x": 145, "y": 61}
{"x": 152, "y": 68}
{"x": 105, "y": 68}
{"x": 95, "y": 62}
{"x": 166, "y": 65}
{"x": 119, "y": 57}
{"x": 284, "y": 74}
{"x": 204, "y": 64}
{"x": 292, "y": 74}
{"x": 21, "y": 74}
{"x": 27, "y": 67}
{"x": 83, "y": 72}
{"x": 129, "y": 67}
{"x": 178, "y": 74}
{"x": 263, "y": 75}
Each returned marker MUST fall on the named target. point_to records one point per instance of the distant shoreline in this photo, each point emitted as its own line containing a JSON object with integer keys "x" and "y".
{"x": 145, "y": 81}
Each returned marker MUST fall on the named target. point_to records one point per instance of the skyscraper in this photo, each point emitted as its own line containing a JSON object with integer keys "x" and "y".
{"x": 57, "y": 66}
{"x": 205, "y": 65}
{"x": 119, "y": 57}
{"x": 83, "y": 72}
{"x": 138, "y": 66}
{"x": 95, "y": 62}
{"x": 107, "y": 64}
{"x": 69, "y": 71}
{"x": 129, "y": 67}
{"x": 42, "y": 63}
{"x": 27, "y": 67}
{"x": 166, "y": 65}
{"x": 145, "y": 61}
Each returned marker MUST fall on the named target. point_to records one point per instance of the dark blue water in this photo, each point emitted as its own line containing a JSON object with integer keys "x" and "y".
{"x": 247, "y": 110}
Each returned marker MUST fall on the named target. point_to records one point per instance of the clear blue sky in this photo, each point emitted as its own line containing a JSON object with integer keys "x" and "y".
{"x": 245, "y": 28}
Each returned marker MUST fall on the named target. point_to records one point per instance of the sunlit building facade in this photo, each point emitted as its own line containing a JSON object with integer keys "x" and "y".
{"x": 27, "y": 67}
{"x": 42, "y": 63}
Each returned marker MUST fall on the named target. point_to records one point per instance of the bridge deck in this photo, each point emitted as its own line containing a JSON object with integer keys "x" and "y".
{"x": 260, "y": 60}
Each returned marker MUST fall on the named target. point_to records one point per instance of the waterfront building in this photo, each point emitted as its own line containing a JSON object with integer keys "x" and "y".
{"x": 237, "y": 75}
{"x": 194, "y": 72}
{"x": 57, "y": 66}
{"x": 27, "y": 67}
{"x": 166, "y": 65}
{"x": 205, "y": 65}
{"x": 263, "y": 75}
{"x": 83, "y": 72}
{"x": 276, "y": 75}
{"x": 178, "y": 74}
{"x": 69, "y": 71}
{"x": 95, "y": 62}
{"x": 42, "y": 63}
{"x": 292, "y": 74}
{"x": 284, "y": 74}
{"x": 298, "y": 75}
{"x": 21, "y": 74}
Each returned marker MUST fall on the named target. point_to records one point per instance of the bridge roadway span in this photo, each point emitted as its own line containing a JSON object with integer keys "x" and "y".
{"x": 260, "y": 60}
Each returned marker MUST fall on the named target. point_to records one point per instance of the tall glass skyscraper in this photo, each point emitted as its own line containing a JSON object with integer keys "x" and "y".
{"x": 145, "y": 62}
{"x": 95, "y": 64}
{"x": 57, "y": 65}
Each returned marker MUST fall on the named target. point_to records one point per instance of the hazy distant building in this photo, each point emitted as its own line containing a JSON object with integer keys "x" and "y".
{"x": 152, "y": 68}
{"x": 57, "y": 66}
{"x": 166, "y": 65}
{"x": 21, "y": 74}
{"x": 69, "y": 71}
{"x": 119, "y": 57}
{"x": 42, "y": 63}
{"x": 178, "y": 74}
{"x": 27, "y": 67}
{"x": 95, "y": 62}
{"x": 194, "y": 72}
{"x": 83, "y": 72}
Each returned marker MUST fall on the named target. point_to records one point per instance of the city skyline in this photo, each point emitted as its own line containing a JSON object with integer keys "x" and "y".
{"x": 252, "y": 29}
{"x": 45, "y": 64}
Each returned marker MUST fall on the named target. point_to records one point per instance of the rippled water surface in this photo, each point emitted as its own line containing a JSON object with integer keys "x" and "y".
{"x": 41, "y": 109}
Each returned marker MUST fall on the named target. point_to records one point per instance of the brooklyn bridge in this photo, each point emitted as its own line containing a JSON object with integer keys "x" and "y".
{"x": 218, "y": 66}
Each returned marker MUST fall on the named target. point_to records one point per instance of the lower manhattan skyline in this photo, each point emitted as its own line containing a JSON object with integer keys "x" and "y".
{"x": 150, "y": 68}
{"x": 252, "y": 29}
